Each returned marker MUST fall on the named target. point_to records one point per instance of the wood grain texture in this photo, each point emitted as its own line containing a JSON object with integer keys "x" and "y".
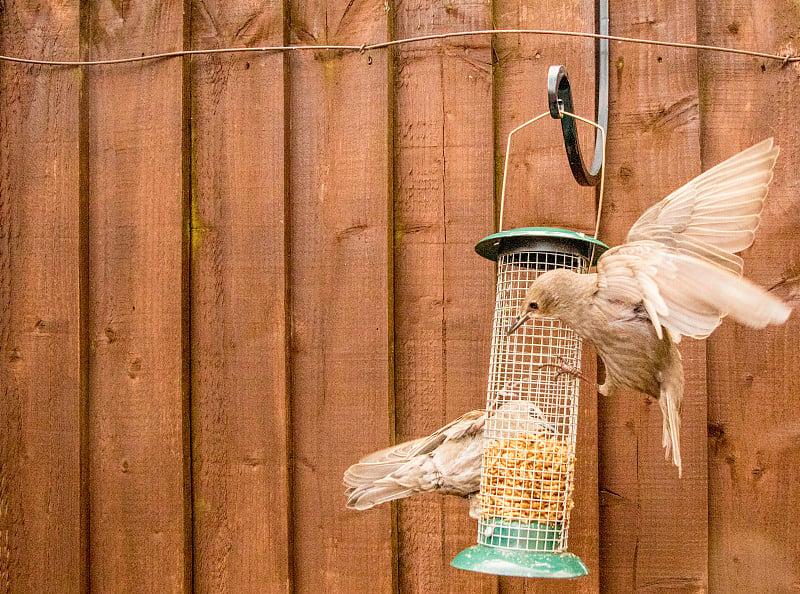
{"x": 334, "y": 298}
{"x": 340, "y": 293}
{"x": 238, "y": 288}
{"x": 542, "y": 192}
{"x": 444, "y": 292}
{"x": 42, "y": 548}
{"x": 137, "y": 507}
{"x": 753, "y": 420}
{"x": 540, "y": 188}
{"x": 653, "y": 525}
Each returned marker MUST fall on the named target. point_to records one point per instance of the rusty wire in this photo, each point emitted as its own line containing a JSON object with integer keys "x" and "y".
{"x": 365, "y": 47}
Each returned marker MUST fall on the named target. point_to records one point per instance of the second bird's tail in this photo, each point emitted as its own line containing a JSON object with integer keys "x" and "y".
{"x": 371, "y": 483}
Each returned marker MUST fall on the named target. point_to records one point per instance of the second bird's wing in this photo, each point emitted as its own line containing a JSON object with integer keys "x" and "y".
{"x": 685, "y": 294}
{"x": 403, "y": 469}
{"x": 467, "y": 424}
{"x": 716, "y": 214}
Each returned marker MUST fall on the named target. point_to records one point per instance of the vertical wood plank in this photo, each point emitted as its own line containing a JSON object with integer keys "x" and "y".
{"x": 653, "y": 524}
{"x": 137, "y": 523}
{"x": 540, "y": 188}
{"x": 340, "y": 292}
{"x": 542, "y": 192}
{"x": 443, "y": 291}
{"x": 238, "y": 283}
{"x": 42, "y": 548}
{"x": 753, "y": 420}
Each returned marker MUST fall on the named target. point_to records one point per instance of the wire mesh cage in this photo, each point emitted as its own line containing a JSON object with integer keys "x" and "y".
{"x": 529, "y": 458}
{"x": 528, "y": 468}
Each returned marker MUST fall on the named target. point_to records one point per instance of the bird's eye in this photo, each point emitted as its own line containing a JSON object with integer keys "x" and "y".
{"x": 533, "y": 305}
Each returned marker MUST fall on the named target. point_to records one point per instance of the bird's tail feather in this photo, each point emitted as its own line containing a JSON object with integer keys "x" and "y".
{"x": 368, "y": 496}
{"x": 367, "y": 473}
{"x": 371, "y": 483}
{"x": 670, "y": 401}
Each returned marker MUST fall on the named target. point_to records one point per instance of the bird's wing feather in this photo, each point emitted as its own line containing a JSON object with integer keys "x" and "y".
{"x": 399, "y": 471}
{"x": 467, "y": 424}
{"x": 716, "y": 214}
{"x": 687, "y": 295}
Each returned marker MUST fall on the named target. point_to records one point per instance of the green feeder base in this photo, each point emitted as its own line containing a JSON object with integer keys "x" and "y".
{"x": 498, "y": 561}
{"x": 501, "y": 554}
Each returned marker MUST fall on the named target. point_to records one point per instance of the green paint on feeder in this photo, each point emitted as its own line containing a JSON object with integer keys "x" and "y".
{"x": 541, "y": 239}
{"x": 528, "y": 549}
{"x": 512, "y": 534}
{"x": 497, "y": 561}
{"x": 503, "y": 551}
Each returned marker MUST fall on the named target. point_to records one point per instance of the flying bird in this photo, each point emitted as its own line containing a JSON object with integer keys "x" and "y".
{"x": 676, "y": 275}
{"x": 448, "y": 461}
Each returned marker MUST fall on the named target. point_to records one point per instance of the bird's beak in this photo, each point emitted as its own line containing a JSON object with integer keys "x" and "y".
{"x": 520, "y": 319}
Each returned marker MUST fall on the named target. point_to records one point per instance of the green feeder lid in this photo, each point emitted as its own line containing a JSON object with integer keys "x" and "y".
{"x": 540, "y": 238}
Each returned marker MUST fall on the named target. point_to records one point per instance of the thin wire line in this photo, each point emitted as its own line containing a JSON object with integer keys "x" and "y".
{"x": 181, "y": 53}
{"x": 562, "y": 113}
{"x": 602, "y": 166}
{"x": 505, "y": 165}
{"x": 785, "y": 59}
{"x": 602, "y": 176}
{"x": 730, "y": 50}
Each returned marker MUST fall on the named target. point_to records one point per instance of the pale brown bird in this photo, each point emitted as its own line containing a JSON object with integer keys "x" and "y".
{"x": 448, "y": 461}
{"x": 675, "y": 275}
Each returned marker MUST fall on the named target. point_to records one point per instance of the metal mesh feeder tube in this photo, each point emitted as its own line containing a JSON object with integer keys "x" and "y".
{"x": 528, "y": 467}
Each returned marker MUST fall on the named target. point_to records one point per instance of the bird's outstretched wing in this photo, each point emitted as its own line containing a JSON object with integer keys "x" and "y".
{"x": 687, "y": 295}
{"x": 716, "y": 214}
{"x": 679, "y": 258}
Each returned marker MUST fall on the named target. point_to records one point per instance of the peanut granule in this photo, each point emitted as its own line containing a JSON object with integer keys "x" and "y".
{"x": 527, "y": 478}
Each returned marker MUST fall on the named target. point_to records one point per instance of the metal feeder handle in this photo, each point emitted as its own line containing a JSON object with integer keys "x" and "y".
{"x": 601, "y": 148}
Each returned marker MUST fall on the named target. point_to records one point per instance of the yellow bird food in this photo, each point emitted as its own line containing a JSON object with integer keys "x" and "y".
{"x": 527, "y": 478}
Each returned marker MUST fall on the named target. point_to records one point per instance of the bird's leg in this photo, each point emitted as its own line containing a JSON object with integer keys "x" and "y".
{"x": 475, "y": 507}
{"x": 564, "y": 368}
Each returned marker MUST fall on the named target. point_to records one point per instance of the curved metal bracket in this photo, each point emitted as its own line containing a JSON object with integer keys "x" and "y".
{"x": 559, "y": 96}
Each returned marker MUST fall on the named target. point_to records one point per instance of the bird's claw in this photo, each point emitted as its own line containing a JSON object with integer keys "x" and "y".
{"x": 567, "y": 369}
{"x": 563, "y": 367}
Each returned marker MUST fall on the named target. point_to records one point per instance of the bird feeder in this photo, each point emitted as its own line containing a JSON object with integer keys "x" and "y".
{"x": 527, "y": 477}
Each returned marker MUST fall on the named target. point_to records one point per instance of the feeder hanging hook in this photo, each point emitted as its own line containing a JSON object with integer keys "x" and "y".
{"x": 559, "y": 96}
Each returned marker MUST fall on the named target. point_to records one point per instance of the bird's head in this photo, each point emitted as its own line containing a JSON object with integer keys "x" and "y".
{"x": 547, "y": 297}
{"x": 519, "y": 416}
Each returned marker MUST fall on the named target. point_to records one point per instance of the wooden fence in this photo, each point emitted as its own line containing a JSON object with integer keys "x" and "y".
{"x": 225, "y": 278}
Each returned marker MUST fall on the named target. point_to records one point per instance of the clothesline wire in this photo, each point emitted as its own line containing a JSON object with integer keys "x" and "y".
{"x": 365, "y": 47}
